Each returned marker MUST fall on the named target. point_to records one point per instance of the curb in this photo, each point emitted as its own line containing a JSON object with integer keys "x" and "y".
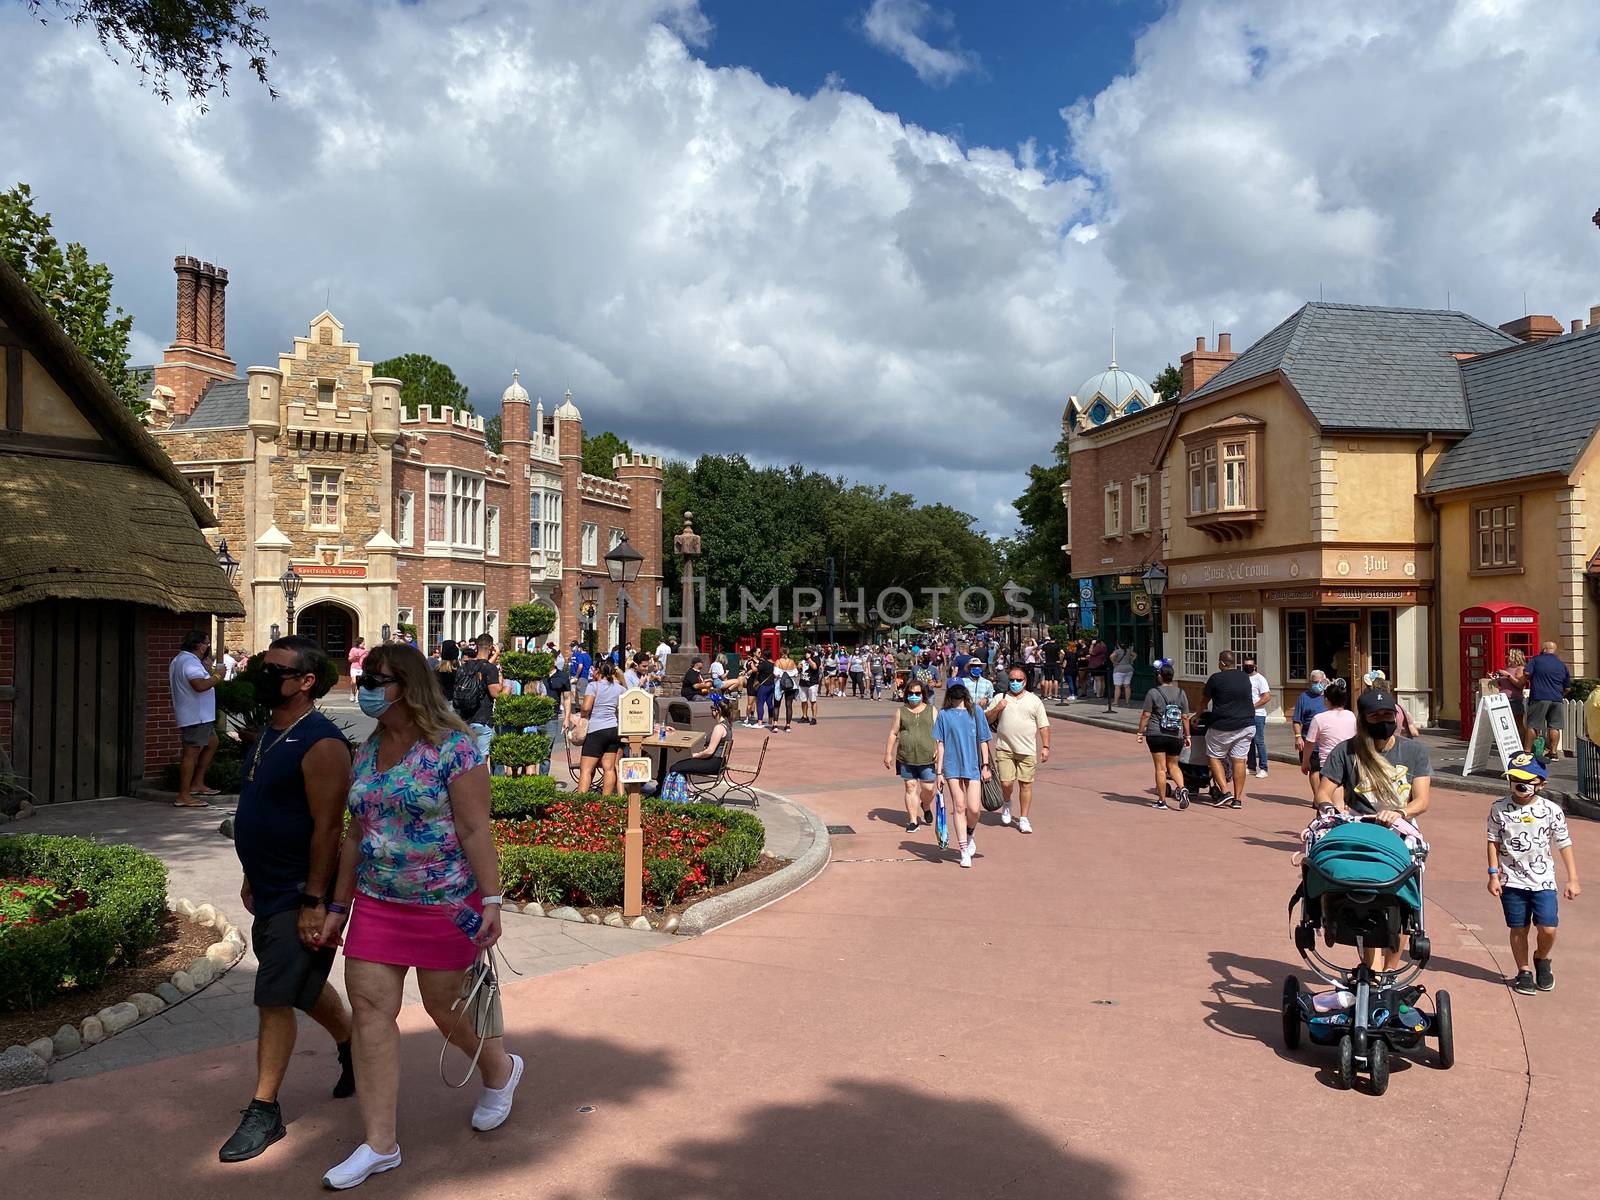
{"x": 719, "y": 910}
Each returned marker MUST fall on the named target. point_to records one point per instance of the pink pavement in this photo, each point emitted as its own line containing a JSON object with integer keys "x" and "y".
{"x": 1092, "y": 1011}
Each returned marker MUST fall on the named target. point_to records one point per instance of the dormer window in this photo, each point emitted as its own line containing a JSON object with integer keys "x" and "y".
{"x": 1226, "y": 500}
{"x": 1099, "y": 414}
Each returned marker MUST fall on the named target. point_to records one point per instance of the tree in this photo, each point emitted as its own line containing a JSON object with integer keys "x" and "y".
{"x": 493, "y": 433}
{"x": 598, "y": 451}
{"x": 1169, "y": 384}
{"x": 187, "y": 38}
{"x": 76, "y": 291}
{"x": 424, "y": 380}
{"x": 1035, "y": 558}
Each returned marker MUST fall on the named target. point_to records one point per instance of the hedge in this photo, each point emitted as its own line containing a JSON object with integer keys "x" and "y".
{"x": 527, "y": 667}
{"x": 519, "y": 712}
{"x": 549, "y": 875}
{"x": 515, "y": 751}
{"x": 127, "y": 891}
{"x": 530, "y": 620}
{"x": 651, "y": 637}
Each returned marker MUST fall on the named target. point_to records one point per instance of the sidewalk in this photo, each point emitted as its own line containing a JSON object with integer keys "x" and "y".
{"x": 1446, "y": 752}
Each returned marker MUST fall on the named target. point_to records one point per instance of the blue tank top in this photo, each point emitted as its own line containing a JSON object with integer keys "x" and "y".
{"x": 272, "y": 827}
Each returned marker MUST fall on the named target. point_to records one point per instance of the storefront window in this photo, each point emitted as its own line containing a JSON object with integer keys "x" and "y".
{"x": 1299, "y": 640}
{"x": 1242, "y": 635}
{"x": 1380, "y": 639}
{"x": 1195, "y": 662}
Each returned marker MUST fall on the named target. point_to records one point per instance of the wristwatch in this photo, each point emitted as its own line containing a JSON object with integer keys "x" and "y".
{"x": 307, "y": 900}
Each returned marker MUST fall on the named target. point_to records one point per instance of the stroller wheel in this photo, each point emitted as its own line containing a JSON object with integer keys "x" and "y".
{"x": 1378, "y": 1065}
{"x": 1444, "y": 1030}
{"x": 1291, "y": 1013}
{"x": 1347, "y": 1062}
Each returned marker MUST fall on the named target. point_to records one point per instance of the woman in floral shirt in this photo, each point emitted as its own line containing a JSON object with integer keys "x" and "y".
{"x": 417, "y": 854}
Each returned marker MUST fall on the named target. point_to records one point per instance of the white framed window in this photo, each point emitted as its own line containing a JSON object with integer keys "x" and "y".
{"x": 1242, "y": 635}
{"x": 322, "y": 502}
{"x": 1235, "y": 475}
{"x": 405, "y": 518}
{"x": 1195, "y": 660}
{"x": 491, "y": 624}
{"x": 436, "y": 510}
{"x": 590, "y": 556}
{"x": 1141, "y": 505}
{"x": 614, "y": 539}
{"x": 455, "y": 510}
{"x": 544, "y": 522}
{"x": 1113, "y": 515}
{"x": 205, "y": 485}
{"x": 454, "y": 611}
{"x": 491, "y": 529}
{"x": 1066, "y": 503}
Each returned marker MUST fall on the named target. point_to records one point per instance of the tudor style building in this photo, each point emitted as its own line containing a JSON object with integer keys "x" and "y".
{"x": 391, "y": 519}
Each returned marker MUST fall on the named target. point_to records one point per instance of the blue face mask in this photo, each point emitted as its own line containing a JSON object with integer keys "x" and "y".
{"x": 1017, "y": 685}
{"x": 976, "y": 672}
{"x": 1317, "y": 689}
{"x": 373, "y": 702}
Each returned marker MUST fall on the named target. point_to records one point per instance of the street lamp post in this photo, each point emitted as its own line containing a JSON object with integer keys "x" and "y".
{"x": 1072, "y": 619}
{"x": 1010, "y": 588}
{"x": 1155, "y": 585}
{"x": 589, "y": 593}
{"x": 230, "y": 568}
{"x": 290, "y": 581}
{"x": 623, "y": 563}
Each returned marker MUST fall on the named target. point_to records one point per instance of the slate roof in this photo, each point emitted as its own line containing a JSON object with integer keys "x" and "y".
{"x": 1533, "y": 408}
{"x": 225, "y": 404}
{"x": 1365, "y": 367}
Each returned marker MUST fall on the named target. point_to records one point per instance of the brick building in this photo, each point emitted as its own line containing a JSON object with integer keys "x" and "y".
{"x": 391, "y": 519}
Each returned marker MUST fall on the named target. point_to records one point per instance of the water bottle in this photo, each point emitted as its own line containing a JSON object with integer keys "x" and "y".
{"x": 468, "y": 920}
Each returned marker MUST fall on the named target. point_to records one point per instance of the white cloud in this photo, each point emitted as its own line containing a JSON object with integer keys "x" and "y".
{"x": 714, "y": 263}
{"x": 900, "y": 28}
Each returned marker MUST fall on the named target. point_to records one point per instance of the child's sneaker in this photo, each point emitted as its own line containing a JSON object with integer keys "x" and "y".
{"x": 1523, "y": 983}
{"x": 1544, "y": 980}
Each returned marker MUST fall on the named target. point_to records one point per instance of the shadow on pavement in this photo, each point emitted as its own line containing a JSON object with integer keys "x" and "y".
{"x": 871, "y": 1139}
{"x": 1285, "y": 844}
{"x": 1465, "y": 970}
{"x": 1248, "y": 994}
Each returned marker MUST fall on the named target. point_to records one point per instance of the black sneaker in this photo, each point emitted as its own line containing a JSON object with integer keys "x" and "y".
{"x": 1232, "y": 802}
{"x": 1161, "y": 804}
{"x": 262, "y": 1125}
{"x": 347, "y": 1074}
{"x": 1184, "y": 798}
{"x": 1544, "y": 980}
{"x": 1523, "y": 983}
{"x": 927, "y": 817}
{"x": 1220, "y": 799}
{"x": 911, "y": 826}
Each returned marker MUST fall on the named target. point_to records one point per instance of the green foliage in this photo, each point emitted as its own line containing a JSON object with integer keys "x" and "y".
{"x": 187, "y": 38}
{"x": 76, "y": 291}
{"x": 513, "y": 797}
{"x": 127, "y": 893}
{"x": 237, "y": 697}
{"x": 521, "y": 711}
{"x": 650, "y": 637}
{"x": 530, "y": 620}
{"x": 598, "y": 451}
{"x": 1168, "y": 384}
{"x": 1035, "y": 558}
{"x": 407, "y": 629}
{"x": 1583, "y": 685}
{"x": 494, "y": 433}
{"x": 518, "y": 751}
{"x": 527, "y": 666}
{"x": 664, "y": 878}
{"x": 226, "y": 772}
{"x": 424, "y": 380}
{"x": 1061, "y": 632}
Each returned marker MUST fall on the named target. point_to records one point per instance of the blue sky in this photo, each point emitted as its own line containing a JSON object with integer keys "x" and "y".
{"x": 1028, "y": 59}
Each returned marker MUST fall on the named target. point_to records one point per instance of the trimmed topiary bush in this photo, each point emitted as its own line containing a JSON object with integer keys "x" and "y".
{"x": 527, "y": 667}
{"x": 519, "y": 712}
{"x": 530, "y": 620}
{"x": 126, "y": 897}
{"x": 513, "y": 797}
{"x": 650, "y": 638}
{"x": 518, "y": 751}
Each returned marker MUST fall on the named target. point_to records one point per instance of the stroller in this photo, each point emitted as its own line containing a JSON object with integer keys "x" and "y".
{"x": 1193, "y": 763}
{"x": 1361, "y": 886}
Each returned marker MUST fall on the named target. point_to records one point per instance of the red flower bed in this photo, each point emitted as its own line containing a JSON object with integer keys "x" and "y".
{"x": 32, "y": 900}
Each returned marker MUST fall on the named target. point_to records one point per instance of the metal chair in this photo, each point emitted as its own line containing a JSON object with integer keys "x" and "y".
{"x": 741, "y": 780}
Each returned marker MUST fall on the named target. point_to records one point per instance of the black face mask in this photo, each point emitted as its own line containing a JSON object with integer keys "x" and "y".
{"x": 269, "y": 685}
{"x": 1382, "y": 731}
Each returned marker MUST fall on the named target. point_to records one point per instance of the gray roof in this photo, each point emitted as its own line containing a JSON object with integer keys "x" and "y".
{"x": 225, "y": 404}
{"x": 1534, "y": 408}
{"x": 1363, "y": 367}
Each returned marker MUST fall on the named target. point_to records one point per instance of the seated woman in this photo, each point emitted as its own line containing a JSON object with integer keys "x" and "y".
{"x": 710, "y": 758}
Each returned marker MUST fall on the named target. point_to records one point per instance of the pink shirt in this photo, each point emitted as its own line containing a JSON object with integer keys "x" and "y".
{"x": 357, "y": 656}
{"x": 1329, "y": 728}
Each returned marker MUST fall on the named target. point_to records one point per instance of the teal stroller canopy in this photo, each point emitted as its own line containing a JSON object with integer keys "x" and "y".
{"x": 1361, "y": 857}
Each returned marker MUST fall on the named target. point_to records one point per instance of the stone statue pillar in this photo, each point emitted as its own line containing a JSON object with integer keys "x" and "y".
{"x": 687, "y": 547}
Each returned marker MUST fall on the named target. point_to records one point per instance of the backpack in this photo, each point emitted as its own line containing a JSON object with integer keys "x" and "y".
{"x": 470, "y": 692}
{"x": 1170, "y": 718}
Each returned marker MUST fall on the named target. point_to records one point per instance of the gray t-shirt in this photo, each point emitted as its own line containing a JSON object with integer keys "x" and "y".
{"x": 1167, "y": 705}
{"x": 1408, "y": 760}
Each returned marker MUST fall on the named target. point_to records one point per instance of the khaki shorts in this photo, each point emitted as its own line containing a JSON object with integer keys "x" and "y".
{"x": 1230, "y": 743}
{"x": 1014, "y": 767}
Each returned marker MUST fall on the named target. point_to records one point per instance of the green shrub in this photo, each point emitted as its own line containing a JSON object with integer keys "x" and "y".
{"x": 664, "y": 879}
{"x": 515, "y": 751}
{"x": 650, "y": 638}
{"x": 530, "y": 620}
{"x": 527, "y": 667}
{"x": 515, "y": 797}
{"x": 1583, "y": 685}
{"x": 521, "y": 711}
{"x": 127, "y": 891}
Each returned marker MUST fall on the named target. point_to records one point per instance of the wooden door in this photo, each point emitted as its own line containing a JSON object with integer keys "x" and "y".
{"x": 74, "y": 709}
{"x": 330, "y": 627}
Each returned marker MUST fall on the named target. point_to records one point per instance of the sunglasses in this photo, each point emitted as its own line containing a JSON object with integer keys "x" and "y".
{"x": 377, "y": 679}
{"x": 281, "y": 672}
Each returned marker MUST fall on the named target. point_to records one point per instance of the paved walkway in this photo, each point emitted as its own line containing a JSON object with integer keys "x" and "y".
{"x": 1090, "y": 1012}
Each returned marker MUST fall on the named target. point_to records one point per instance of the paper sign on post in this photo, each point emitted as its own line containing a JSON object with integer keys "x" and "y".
{"x": 634, "y": 770}
{"x": 636, "y": 713}
{"x": 1495, "y": 723}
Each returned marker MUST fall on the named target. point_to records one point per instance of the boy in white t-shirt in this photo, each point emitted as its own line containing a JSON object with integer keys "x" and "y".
{"x": 1525, "y": 831}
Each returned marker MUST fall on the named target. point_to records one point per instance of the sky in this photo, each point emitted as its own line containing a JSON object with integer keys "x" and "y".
{"x": 880, "y": 238}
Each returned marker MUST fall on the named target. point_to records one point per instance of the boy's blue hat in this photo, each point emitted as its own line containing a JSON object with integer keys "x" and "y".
{"x": 1526, "y": 767}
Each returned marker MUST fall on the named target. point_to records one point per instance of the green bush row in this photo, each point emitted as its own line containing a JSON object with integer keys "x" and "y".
{"x": 127, "y": 891}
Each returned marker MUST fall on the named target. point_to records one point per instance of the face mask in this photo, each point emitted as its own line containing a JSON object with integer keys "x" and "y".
{"x": 1318, "y": 688}
{"x": 1017, "y": 685}
{"x": 1249, "y": 670}
{"x": 269, "y": 685}
{"x": 1382, "y": 731}
{"x": 373, "y": 701}
{"x": 975, "y": 673}
{"x": 914, "y": 698}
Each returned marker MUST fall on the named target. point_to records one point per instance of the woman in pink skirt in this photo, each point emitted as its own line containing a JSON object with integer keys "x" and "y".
{"x": 418, "y": 852}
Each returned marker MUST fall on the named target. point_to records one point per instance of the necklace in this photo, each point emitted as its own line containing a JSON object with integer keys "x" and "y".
{"x": 262, "y": 747}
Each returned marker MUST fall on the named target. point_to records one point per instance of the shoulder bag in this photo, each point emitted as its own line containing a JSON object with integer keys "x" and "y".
{"x": 993, "y": 796}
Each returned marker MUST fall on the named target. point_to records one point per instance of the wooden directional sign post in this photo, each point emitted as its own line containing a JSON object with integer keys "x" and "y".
{"x": 636, "y": 714}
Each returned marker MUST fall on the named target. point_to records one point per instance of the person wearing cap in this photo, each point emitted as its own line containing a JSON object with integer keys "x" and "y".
{"x": 1379, "y": 773}
{"x": 1524, "y": 830}
{"x": 1405, "y": 723}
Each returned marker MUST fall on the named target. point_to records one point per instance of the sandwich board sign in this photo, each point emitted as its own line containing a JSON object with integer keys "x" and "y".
{"x": 1494, "y": 725}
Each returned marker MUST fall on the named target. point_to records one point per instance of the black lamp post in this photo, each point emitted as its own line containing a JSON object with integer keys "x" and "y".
{"x": 1010, "y": 589}
{"x": 230, "y": 568}
{"x": 1072, "y": 619}
{"x": 1155, "y": 585}
{"x": 290, "y": 581}
{"x": 589, "y": 593}
{"x": 623, "y": 563}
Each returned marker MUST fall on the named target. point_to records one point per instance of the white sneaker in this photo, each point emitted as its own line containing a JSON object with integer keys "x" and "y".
{"x": 355, "y": 1170}
{"x": 1261, "y": 774}
{"x": 972, "y": 844}
{"x": 494, "y": 1105}
{"x": 966, "y": 856}
{"x": 1023, "y": 825}
{"x": 1005, "y": 815}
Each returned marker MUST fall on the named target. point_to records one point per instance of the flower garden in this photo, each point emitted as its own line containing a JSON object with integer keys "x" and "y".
{"x": 566, "y": 848}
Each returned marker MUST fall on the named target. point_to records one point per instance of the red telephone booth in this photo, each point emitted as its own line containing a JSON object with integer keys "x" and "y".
{"x": 1488, "y": 631}
{"x": 708, "y": 644}
{"x": 772, "y": 643}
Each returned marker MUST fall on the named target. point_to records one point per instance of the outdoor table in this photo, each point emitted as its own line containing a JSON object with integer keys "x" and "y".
{"x": 681, "y": 741}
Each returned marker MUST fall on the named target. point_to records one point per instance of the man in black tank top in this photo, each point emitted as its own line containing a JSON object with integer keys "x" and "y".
{"x": 287, "y": 833}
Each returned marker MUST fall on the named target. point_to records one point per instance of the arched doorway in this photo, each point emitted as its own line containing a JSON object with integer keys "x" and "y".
{"x": 331, "y": 626}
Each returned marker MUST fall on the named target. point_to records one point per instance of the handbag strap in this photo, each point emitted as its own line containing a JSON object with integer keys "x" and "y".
{"x": 484, "y": 975}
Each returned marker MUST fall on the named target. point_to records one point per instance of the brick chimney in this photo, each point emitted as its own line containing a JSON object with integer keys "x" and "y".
{"x": 1532, "y": 328}
{"x": 198, "y": 354}
{"x": 1200, "y": 365}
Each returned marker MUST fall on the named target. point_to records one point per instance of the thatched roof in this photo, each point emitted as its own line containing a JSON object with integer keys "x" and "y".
{"x": 72, "y": 528}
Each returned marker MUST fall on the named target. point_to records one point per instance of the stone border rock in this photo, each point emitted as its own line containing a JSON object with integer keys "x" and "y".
{"x": 33, "y": 1063}
{"x": 730, "y": 906}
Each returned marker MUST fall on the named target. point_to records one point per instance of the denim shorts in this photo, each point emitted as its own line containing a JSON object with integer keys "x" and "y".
{"x": 920, "y": 774}
{"x": 1521, "y": 905}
